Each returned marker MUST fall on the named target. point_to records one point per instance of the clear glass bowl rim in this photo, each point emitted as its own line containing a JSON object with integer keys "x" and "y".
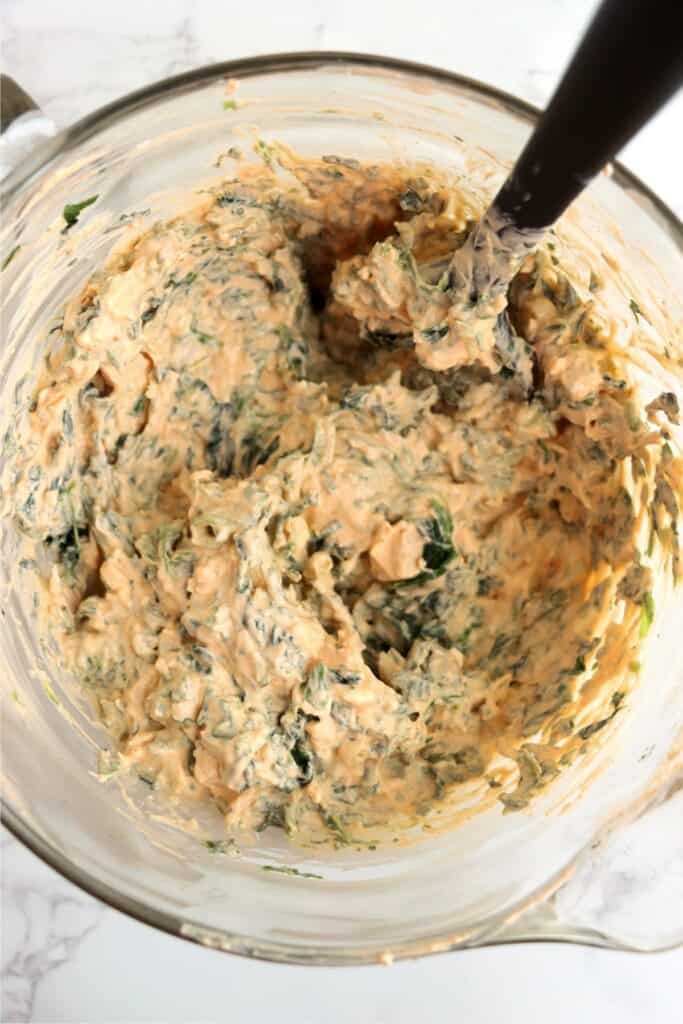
{"x": 20, "y": 178}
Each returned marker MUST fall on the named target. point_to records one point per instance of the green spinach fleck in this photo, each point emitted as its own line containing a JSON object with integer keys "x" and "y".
{"x": 647, "y": 614}
{"x": 317, "y": 689}
{"x": 636, "y": 310}
{"x": 220, "y": 447}
{"x": 151, "y": 311}
{"x": 410, "y": 201}
{"x": 290, "y": 871}
{"x": 434, "y": 334}
{"x": 303, "y": 759}
{"x": 226, "y": 846}
{"x": 72, "y": 211}
{"x": 438, "y": 551}
{"x": 9, "y": 257}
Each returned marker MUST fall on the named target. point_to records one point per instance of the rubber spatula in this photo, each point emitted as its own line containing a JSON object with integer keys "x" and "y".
{"x": 628, "y": 64}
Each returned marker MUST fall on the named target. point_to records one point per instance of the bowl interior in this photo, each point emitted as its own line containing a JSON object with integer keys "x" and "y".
{"x": 449, "y": 889}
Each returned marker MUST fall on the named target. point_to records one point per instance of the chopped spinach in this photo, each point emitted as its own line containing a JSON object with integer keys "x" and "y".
{"x": 296, "y": 351}
{"x": 254, "y": 452}
{"x": 151, "y": 311}
{"x": 290, "y": 871}
{"x": 647, "y": 614}
{"x": 226, "y": 846}
{"x": 391, "y": 340}
{"x": 438, "y": 551}
{"x": 336, "y": 826}
{"x": 345, "y": 677}
{"x": 72, "y": 211}
{"x": 342, "y": 161}
{"x": 68, "y": 546}
{"x": 410, "y": 201}
{"x": 303, "y": 758}
{"x": 434, "y": 334}
{"x": 317, "y": 690}
{"x": 9, "y": 257}
{"x": 220, "y": 447}
{"x": 67, "y": 425}
{"x": 667, "y": 403}
{"x": 182, "y": 282}
{"x": 199, "y": 659}
{"x": 636, "y": 310}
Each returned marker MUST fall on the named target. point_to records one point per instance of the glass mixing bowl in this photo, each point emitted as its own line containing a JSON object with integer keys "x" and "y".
{"x": 602, "y": 867}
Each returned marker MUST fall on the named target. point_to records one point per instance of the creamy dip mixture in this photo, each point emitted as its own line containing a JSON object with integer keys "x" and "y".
{"x": 324, "y": 537}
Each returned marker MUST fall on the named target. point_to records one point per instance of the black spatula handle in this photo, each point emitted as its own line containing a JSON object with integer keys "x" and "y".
{"x": 628, "y": 64}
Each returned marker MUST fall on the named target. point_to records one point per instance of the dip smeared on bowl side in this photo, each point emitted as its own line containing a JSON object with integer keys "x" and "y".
{"x": 316, "y": 553}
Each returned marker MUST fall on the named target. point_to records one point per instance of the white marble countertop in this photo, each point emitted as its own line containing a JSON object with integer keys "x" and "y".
{"x": 65, "y": 957}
